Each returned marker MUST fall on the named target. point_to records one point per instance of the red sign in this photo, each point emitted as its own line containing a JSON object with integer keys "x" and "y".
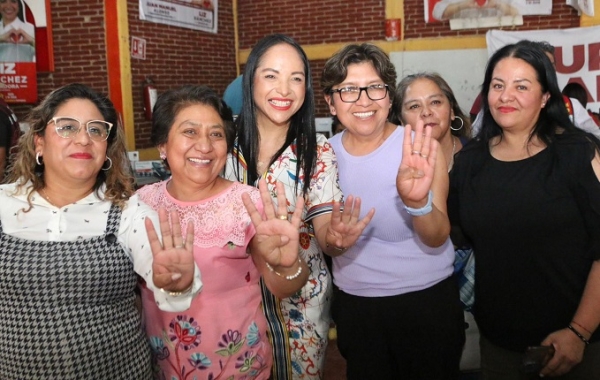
{"x": 392, "y": 29}
{"x": 18, "y": 82}
{"x": 138, "y": 48}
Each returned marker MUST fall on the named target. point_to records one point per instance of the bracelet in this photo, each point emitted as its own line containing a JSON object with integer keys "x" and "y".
{"x": 177, "y": 294}
{"x": 580, "y": 325}
{"x": 339, "y": 249}
{"x": 288, "y": 277}
{"x": 423, "y": 210}
{"x": 579, "y": 335}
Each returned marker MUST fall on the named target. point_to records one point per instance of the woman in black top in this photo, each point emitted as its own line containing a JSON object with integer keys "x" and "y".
{"x": 526, "y": 194}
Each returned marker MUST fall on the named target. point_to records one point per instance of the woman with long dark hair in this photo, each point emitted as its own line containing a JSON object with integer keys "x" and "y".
{"x": 526, "y": 194}
{"x": 276, "y": 140}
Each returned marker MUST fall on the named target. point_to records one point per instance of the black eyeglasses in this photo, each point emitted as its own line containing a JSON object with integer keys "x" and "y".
{"x": 68, "y": 127}
{"x": 351, "y": 94}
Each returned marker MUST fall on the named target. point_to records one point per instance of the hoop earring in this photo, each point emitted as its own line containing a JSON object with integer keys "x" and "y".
{"x": 462, "y": 124}
{"x": 38, "y": 155}
{"x": 109, "y": 164}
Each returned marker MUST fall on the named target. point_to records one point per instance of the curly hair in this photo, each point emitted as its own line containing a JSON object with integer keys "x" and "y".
{"x": 118, "y": 180}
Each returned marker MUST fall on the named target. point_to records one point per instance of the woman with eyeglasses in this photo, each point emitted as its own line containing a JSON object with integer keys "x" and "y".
{"x": 398, "y": 314}
{"x": 73, "y": 242}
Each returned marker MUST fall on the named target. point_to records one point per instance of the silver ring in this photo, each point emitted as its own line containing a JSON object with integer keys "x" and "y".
{"x": 178, "y": 246}
{"x": 282, "y": 217}
{"x": 424, "y": 155}
{"x": 416, "y": 152}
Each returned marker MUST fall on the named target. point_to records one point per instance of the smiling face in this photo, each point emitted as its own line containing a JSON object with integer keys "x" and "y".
{"x": 365, "y": 116}
{"x": 279, "y": 85}
{"x": 423, "y": 99}
{"x": 196, "y": 147}
{"x": 77, "y": 159}
{"x": 515, "y": 96}
{"x": 9, "y": 9}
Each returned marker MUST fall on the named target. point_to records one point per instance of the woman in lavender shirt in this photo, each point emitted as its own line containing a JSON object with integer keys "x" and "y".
{"x": 398, "y": 313}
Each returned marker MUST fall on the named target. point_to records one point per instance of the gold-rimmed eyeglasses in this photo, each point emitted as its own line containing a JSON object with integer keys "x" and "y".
{"x": 69, "y": 127}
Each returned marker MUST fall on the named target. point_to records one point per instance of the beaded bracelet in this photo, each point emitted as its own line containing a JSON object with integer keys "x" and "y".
{"x": 177, "y": 294}
{"x": 288, "y": 277}
{"x": 423, "y": 210}
{"x": 579, "y": 335}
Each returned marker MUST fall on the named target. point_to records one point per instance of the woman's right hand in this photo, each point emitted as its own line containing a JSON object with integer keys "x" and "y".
{"x": 5, "y": 37}
{"x": 173, "y": 264}
{"x": 276, "y": 239}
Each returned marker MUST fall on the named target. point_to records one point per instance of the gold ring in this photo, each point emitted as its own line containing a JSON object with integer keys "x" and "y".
{"x": 282, "y": 217}
{"x": 416, "y": 152}
{"x": 423, "y": 155}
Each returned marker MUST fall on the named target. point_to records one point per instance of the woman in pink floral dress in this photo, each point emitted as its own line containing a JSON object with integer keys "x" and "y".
{"x": 236, "y": 242}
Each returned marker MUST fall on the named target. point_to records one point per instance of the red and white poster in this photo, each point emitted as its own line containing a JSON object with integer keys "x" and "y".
{"x": 19, "y": 20}
{"x": 467, "y": 14}
{"x": 191, "y": 14}
{"x": 577, "y": 54}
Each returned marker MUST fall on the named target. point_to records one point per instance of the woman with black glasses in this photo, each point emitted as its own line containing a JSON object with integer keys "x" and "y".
{"x": 398, "y": 314}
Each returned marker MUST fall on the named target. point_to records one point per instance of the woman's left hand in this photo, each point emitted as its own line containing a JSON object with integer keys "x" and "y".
{"x": 173, "y": 261}
{"x": 415, "y": 174}
{"x": 277, "y": 239}
{"x": 568, "y": 352}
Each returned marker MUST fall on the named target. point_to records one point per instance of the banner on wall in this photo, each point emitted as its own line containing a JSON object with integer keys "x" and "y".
{"x": 577, "y": 55}
{"x": 584, "y": 6}
{"x": 18, "y": 70}
{"x": 468, "y": 14}
{"x": 191, "y": 14}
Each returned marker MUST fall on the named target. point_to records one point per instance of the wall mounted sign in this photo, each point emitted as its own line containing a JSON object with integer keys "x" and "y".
{"x": 191, "y": 14}
{"x": 24, "y": 37}
{"x": 469, "y": 14}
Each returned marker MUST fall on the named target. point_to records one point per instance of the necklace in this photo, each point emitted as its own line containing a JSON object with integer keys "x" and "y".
{"x": 46, "y": 197}
{"x": 452, "y": 155}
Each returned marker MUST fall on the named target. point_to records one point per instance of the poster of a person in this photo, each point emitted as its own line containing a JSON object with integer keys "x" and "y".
{"x": 439, "y": 10}
{"x": 17, "y": 36}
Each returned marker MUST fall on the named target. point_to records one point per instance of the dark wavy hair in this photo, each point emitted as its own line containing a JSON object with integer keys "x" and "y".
{"x": 302, "y": 124}
{"x": 464, "y": 128}
{"x": 171, "y": 102}
{"x": 118, "y": 179}
{"x": 335, "y": 70}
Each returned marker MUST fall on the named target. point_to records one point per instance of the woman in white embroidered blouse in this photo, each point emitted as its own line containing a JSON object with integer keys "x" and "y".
{"x": 72, "y": 244}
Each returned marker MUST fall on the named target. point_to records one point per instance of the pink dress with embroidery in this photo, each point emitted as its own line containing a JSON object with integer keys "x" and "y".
{"x": 223, "y": 334}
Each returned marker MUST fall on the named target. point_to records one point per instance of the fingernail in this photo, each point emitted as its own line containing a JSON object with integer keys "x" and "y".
{"x": 176, "y": 276}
